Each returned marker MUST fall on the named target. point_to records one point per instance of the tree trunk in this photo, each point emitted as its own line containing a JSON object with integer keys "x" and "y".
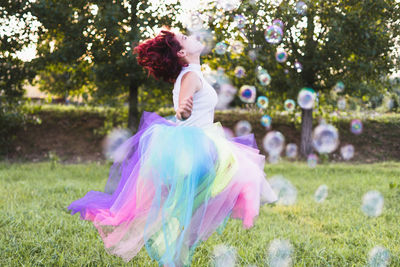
{"x": 133, "y": 113}
{"x": 306, "y": 132}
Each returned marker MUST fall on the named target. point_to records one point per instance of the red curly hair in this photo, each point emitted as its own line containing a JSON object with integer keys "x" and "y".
{"x": 159, "y": 56}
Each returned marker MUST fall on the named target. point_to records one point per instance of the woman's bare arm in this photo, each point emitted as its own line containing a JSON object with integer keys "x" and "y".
{"x": 190, "y": 84}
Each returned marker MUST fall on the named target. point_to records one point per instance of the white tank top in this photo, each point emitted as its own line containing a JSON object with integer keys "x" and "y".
{"x": 204, "y": 100}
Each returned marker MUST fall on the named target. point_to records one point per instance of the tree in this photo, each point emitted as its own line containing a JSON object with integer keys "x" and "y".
{"x": 102, "y": 34}
{"x": 13, "y": 72}
{"x": 348, "y": 41}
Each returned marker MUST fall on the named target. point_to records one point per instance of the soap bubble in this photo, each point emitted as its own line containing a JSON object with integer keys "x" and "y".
{"x": 220, "y": 48}
{"x": 289, "y": 105}
{"x": 266, "y": 121}
{"x": 321, "y": 193}
{"x": 342, "y": 103}
{"x": 273, "y": 142}
{"x": 242, "y": 127}
{"x": 347, "y": 152}
{"x": 114, "y": 146}
{"x": 247, "y": 93}
{"x": 312, "y": 160}
{"x": 298, "y": 66}
{"x": 284, "y": 189}
{"x": 273, "y": 34}
{"x": 301, "y": 8}
{"x": 339, "y": 87}
{"x": 306, "y": 98}
{"x": 286, "y": 71}
{"x": 356, "y": 126}
{"x": 194, "y": 22}
{"x": 240, "y": 72}
{"x": 263, "y": 76}
{"x": 378, "y": 257}
{"x": 372, "y": 203}
{"x": 262, "y": 102}
{"x": 280, "y": 253}
{"x": 278, "y": 23}
{"x": 273, "y": 159}
{"x": 281, "y": 56}
{"x": 228, "y": 132}
{"x": 252, "y": 55}
{"x": 325, "y": 138}
{"x": 206, "y": 38}
{"x": 237, "y": 47}
{"x": 226, "y": 94}
{"x": 228, "y": 5}
{"x": 224, "y": 256}
{"x": 291, "y": 150}
{"x": 240, "y": 21}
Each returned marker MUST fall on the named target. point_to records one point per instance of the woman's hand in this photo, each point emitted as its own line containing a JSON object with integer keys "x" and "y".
{"x": 185, "y": 109}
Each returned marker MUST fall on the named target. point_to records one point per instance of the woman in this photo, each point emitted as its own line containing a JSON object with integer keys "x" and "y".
{"x": 180, "y": 181}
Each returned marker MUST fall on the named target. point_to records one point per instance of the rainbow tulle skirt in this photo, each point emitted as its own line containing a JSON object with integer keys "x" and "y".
{"x": 175, "y": 187}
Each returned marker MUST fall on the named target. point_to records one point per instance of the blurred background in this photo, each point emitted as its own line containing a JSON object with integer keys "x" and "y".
{"x": 68, "y": 76}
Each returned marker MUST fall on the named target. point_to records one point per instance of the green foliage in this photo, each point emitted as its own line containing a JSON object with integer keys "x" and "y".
{"x": 335, "y": 41}
{"x": 13, "y": 116}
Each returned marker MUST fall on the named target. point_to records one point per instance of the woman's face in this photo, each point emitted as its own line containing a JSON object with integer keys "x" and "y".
{"x": 190, "y": 45}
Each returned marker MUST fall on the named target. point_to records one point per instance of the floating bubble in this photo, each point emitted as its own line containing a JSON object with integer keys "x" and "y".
{"x": 356, "y": 126}
{"x": 341, "y": 103}
{"x": 266, "y": 121}
{"x": 280, "y": 253}
{"x": 278, "y": 23}
{"x": 242, "y": 127}
{"x": 289, "y": 105}
{"x": 237, "y": 47}
{"x": 194, "y": 22}
{"x": 114, "y": 146}
{"x": 339, "y": 87}
{"x": 347, "y": 152}
{"x": 220, "y": 48}
{"x": 264, "y": 78}
{"x": 252, "y": 55}
{"x": 321, "y": 193}
{"x": 247, "y": 93}
{"x": 284, "y": 189}
{"x": 206, "y": 38}
{"x": 273, "y": 159}
{"x": 273, "y": 142}
{"x": 223, "y": 256}
{"x": 240, "y": 72}
{"x": 228, "y": 132}
{"x": 306, "y": 98}
{"x": 286, "y": 71}
{"x": 378, "y": 257}
{"x": 291, "y": 150}
{"x": 312, "y": 160}
{"x": 301, "y": 8}
{"x": 226, "y": 95}
{"x": 273, "y": 34}
{"x": 298, "y": 66}
{"x": 372, "y": 203}
{"x": 228, "y": 5}
{"x": 262, "y": 102}
{"x": 325, "y": 138}
{"x": 281, "y": 56}
{"x": 240, "y": 21}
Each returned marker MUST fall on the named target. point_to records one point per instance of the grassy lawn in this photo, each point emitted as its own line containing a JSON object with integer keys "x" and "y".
{"x": 37, "y": 230}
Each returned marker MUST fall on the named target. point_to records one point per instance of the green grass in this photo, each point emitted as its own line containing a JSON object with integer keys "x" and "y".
{"x": 37, "y": 230}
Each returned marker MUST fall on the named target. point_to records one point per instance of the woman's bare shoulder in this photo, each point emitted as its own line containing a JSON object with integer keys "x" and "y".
{"x": 190, "y": 79}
